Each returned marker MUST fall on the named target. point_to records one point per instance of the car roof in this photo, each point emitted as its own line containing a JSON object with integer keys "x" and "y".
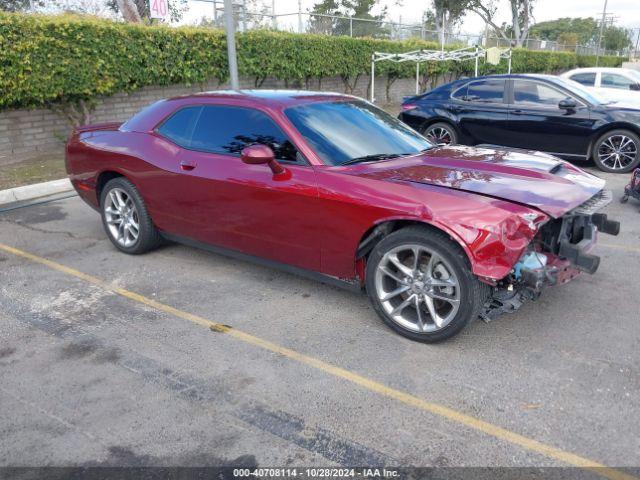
{"x": 147, "y": 118}
{"x": 282, "y": 98}
{"x": 506, "y": 76}
{"x": 600, "y": 69}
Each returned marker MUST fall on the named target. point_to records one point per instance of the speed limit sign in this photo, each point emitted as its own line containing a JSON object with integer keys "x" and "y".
{"x": 159, "y": 9}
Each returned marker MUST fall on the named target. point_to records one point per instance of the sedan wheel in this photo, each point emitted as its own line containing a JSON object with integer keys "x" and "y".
{"x": 420, "y": 283}
{"x": 441, "y": 134}
{"x": 617, "y": 151}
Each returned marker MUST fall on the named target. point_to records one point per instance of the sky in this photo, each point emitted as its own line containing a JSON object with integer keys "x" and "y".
{"x": 410, "y": 11}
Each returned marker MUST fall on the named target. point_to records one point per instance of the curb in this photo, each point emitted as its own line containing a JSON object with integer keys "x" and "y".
{"x": 37, "y": 190}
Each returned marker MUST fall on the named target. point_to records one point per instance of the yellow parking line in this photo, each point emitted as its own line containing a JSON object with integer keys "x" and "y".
{"x": 367, "y": 383}
{"x": 619, "y": 247}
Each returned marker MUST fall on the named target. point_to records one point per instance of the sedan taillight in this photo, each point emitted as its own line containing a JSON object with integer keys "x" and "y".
{"x": 408, "y": 106}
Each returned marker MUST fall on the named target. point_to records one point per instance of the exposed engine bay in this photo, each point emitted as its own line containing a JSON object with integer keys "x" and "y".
{"x": 558, "y": 253}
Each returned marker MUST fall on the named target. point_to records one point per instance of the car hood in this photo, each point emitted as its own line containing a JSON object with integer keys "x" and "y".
{"x": 530, "y": 178}
{"x": 623, "y": 103}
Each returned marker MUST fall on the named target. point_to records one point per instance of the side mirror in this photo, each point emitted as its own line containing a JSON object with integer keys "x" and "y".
{"x": 567, "y": 104}
{"x": 635, "y": 86}
{"x": 260, "y": 154}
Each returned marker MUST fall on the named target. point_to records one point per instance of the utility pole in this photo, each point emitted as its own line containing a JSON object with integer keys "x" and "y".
{"x": 273, "y": 14}
{"x": 231, "y": 44}
{"x": 444, "y": 33}
{"x": 244, "y": 15}
{"x": 602, "y": 22}
{"x": 299, "y": 16}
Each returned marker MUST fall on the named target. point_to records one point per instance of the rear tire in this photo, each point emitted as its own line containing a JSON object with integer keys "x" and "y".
{"x": 125, "y": 218}
{"x": 429, "y": 303}
{"x": 441, "y": 134}
{"x": 617, "y": 151}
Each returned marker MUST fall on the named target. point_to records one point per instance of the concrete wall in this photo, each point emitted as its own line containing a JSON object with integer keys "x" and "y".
{"x": 25, "y": 133}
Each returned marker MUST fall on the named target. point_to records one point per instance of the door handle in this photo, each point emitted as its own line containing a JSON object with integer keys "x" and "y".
{"x": 187, "y": 165}
{"x": 517, "y": 112}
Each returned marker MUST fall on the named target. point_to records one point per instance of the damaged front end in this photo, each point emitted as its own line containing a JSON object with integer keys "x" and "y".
{"x": 558, "y": 253}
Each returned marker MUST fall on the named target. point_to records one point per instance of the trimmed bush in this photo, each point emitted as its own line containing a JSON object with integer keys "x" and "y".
{"x": 61, "y": 59}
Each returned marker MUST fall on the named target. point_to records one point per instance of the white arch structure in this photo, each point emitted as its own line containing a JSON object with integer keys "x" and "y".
{"x": 419, "y": 56}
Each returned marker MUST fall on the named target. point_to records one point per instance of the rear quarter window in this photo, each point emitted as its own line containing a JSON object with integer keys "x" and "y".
{"x": 179, "y": 126}
{"x": 481, "y": 91}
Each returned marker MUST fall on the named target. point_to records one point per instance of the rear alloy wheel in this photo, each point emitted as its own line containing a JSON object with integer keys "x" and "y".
{"x": 441, "y": 134}
{"x": 617, "y": 151}
{"x": 125, "y": 218}
{"x": 421, "y": 285}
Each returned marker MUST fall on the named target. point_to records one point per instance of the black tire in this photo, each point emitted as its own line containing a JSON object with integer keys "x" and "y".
{"x": 148, "y": 236}
{"x": 601, "y": 149}
{"x": 472, "y": 294}
{"x": 433, "y": 132}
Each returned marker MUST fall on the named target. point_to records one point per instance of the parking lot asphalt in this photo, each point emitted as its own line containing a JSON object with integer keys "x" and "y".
{"x": 112, "y": 363}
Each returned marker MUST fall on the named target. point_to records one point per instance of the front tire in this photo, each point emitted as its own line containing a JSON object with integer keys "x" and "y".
{"x": 420, "y": 283}
{"x": 441, "y": 134}
{"x": 617, "y": 151}
{"x": 125, "y": 218}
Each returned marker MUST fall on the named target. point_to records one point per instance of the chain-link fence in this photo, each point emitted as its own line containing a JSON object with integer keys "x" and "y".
{"x": 322, "y": 24}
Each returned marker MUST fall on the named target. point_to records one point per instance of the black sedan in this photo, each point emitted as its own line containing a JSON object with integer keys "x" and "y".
{"x": 534, "y": 112}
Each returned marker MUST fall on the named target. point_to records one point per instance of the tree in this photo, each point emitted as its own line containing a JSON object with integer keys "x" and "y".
{"x": 616, "y": 38}
{"x": 135, "y": 11}
{"x": 586, "y": 31}
{"x": 256, "y": 16}
{"x": 568, "y": 39}
{"x": 364, "y": 22}
{"x": 521, "y": 14}
{"x": 446, "y": 14}
{"x": 321, "y": 20}
{"x": 19, "y": 5}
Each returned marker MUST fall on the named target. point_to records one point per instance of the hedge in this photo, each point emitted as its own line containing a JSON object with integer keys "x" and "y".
{"x": 55, "y": 59}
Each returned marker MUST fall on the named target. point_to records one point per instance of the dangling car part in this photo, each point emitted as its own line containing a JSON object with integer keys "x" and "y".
{"x": 558, "y": 253}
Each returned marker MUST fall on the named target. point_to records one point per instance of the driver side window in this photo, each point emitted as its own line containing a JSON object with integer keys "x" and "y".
{"x": 536, "y": 94}
{"x": 227, "y": 130}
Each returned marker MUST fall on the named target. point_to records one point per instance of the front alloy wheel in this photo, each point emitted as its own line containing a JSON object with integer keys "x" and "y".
{"x": 417, "y": 288}
{"x": 617, "y": 151}
{"x": 420, "y": 283}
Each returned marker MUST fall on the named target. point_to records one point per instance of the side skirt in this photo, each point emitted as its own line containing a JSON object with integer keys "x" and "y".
{"x": 352, "y": 285}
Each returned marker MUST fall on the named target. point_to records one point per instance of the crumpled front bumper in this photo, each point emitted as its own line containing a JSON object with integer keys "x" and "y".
{"x": 570, "y": 251}
{"x": 565, "y": 244}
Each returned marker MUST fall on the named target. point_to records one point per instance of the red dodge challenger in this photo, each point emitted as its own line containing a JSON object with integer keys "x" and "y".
{"x": 330, "y": 186}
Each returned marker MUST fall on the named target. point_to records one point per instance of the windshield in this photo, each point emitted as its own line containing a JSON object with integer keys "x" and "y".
{"x": 345, "y": 132}
{"x": 579, "y": 89}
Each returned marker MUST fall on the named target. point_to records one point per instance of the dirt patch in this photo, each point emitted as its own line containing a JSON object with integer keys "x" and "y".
{"x": 38, "y": 168}
{"x": 77, "y": 350}
{"x": 110, "y": 355}
{"x": 6, "y": 351}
